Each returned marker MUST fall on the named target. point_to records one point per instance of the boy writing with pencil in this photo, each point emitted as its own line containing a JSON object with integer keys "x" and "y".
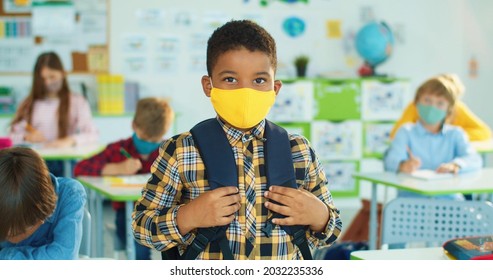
{"x": 257, "y": 216}
{"x": 133, "y": 155}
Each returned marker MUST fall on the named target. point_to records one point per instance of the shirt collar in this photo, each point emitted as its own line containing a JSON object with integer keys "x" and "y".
{"x": 422, "y": 130}
{"x": 234, "y": 135}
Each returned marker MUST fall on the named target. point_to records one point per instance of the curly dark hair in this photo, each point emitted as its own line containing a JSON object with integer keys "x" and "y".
{"x": 236, "y": 34}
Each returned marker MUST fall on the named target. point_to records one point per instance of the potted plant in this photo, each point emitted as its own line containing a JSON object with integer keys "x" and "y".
{"x": 301, "y": 62}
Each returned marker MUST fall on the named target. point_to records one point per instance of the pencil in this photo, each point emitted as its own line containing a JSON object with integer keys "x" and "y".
{"x": 125, "y": 153}
{"x": 29, "y": 128}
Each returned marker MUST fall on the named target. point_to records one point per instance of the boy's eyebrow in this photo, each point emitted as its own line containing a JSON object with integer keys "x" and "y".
{"x": 233, "y": 73}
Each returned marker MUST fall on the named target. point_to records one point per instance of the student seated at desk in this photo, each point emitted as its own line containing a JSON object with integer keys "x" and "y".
{"x": 134, "y": 155}
{"x": 41, "y": 214}
{"x": 430, "y": 143}
{"x": 460, "y": 115}
{"x": 51, "y": 114}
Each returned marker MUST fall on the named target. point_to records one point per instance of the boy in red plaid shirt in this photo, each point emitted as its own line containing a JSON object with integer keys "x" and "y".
{"x": 133, "y": 155}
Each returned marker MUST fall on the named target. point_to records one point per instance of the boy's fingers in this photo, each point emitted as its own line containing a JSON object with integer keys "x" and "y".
{"x": 283, "y": 210}
{"x": 226, "y": 191}
{"x": 290, "y": 192}
{"x": 277, "y": 197}
{"x": 288, "y": 221}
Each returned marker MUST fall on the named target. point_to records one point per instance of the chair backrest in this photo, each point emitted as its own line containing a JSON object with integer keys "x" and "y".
{"x": 85, "y": 245}
{"x": 407, "y": 220}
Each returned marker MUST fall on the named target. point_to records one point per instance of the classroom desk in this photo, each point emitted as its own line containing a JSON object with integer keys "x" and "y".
{"x": 484, "y": 148}
{"x": 101, "y": 188}
{"x": 474, "y": 182}
{"x": 432, "y": 253}
{"x": 68, "y": 154}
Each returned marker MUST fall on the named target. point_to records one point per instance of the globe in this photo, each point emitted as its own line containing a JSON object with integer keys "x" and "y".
{"x": 374, "y": 43}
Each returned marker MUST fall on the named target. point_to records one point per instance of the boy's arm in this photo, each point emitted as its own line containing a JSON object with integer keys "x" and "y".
{"x": 397, "y": 152}
{"x": 94, "y": 165}
{"x": 67, "y": 232}
{"x": 466, "y": 156}
{"x": 154, "y": 218}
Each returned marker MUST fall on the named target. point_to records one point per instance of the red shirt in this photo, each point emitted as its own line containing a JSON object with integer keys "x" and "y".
{"x": 111, "y": 154}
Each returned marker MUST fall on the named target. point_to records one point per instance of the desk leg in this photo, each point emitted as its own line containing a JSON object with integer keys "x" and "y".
{"x": 99, "y": 226}
{"x": 67, "y": 168}
{"x": 373, "y": 226}
{"x": 129, "y": 206}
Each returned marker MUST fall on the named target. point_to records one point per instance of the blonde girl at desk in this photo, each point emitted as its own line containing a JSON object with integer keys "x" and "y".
{"x": 51, "y": 115}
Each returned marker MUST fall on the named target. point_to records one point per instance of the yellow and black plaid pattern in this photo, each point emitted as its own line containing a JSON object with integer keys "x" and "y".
{"x": 178, "y": 177}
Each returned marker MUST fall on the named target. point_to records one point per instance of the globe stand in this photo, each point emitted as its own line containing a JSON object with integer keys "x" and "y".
{"x": 367, "y": 70}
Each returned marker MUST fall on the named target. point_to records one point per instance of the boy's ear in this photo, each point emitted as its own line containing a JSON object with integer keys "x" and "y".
{"x": 206, "y": 85}
{"x": 277, "y": 86}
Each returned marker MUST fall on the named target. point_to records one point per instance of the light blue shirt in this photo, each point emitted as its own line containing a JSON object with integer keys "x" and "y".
{"x": 449, "y": 145}
{"x": 60, "y": 236}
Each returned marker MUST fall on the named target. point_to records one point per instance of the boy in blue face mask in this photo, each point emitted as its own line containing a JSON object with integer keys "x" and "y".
{"x": 180, "y": 200}
{"x": 430, "y": 143}
{"x": 134, "y": 155}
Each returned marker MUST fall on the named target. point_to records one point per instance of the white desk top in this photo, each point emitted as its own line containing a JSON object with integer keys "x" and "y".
{"x": 434, "y": 253}
{"x": 474, "y": 182}
{"x": 76, "y": 152}
{"x": 113, "y": 191}
{"x": 483, "y": 147}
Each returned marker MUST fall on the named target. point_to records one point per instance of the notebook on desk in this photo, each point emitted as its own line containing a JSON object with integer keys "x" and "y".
{"x": 427, "y": 174}
{"x": 138, "y": 180}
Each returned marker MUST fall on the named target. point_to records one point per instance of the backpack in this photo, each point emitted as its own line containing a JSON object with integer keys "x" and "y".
{"x": 221, "y": 170}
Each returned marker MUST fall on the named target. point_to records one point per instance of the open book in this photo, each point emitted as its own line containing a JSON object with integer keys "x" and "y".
{"x": 138, "y": 180}
{"x": 427, "y": 174}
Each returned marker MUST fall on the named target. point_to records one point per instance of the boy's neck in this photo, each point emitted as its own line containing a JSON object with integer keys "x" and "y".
{"x": 433, "y": 128}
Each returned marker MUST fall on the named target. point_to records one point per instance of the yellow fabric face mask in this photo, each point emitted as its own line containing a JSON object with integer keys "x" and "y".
{"x": 242, "y": 108}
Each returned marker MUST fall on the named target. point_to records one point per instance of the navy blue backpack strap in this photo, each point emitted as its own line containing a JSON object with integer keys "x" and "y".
{"x": 218, "y": 157}
{"x": 280, "y": 172}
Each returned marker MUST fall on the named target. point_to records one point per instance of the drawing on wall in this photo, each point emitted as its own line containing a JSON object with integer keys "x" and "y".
{"x": 165, "y": 64}
{"x": 182, "y": 19}
{"x": 341, "y": 140}
{"x": 135, "y": 65}
{"x": 384, "y": 101}
{"x": 334, "y": 29}
{"x": 339, "y": 175}
{"x": 134, "y": 43}
{"x": 294, "y": 104}
{"x": 293, "y": 26}
{"x": 377, "y": 138}
{"x": 151, "y": 18}
{"x": 167, "y": 45}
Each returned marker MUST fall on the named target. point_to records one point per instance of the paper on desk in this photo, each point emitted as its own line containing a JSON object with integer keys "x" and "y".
{"x": 427, "y": 174}
{"x": 138, "y": 180}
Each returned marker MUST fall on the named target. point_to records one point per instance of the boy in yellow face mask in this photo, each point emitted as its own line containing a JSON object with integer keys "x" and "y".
{"x": 179, "y": 201}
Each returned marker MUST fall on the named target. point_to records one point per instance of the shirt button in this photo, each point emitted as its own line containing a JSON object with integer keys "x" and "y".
{"x": 248, "y": 158}
{"x": 251, "y": 239}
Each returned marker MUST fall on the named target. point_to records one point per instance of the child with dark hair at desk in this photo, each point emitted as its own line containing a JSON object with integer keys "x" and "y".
{"x": 52, "y": 115}
{"x": 41, "y": 214}
{"x": 430, "y": 143}
{"x": 134, "y": 155}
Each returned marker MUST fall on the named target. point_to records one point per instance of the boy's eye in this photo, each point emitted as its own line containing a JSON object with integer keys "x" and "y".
{"x": 259, "y": 81}
{"x": 230, "y": 79}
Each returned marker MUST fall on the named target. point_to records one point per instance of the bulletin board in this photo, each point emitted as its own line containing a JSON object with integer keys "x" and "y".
{"x": 76, "y": 30}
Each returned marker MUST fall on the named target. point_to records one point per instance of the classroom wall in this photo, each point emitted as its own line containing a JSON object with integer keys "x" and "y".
{"x": 432, "y": 37}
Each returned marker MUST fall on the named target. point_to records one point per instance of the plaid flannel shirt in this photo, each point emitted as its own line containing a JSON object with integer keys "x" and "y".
{"x": 178, "y": 176}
